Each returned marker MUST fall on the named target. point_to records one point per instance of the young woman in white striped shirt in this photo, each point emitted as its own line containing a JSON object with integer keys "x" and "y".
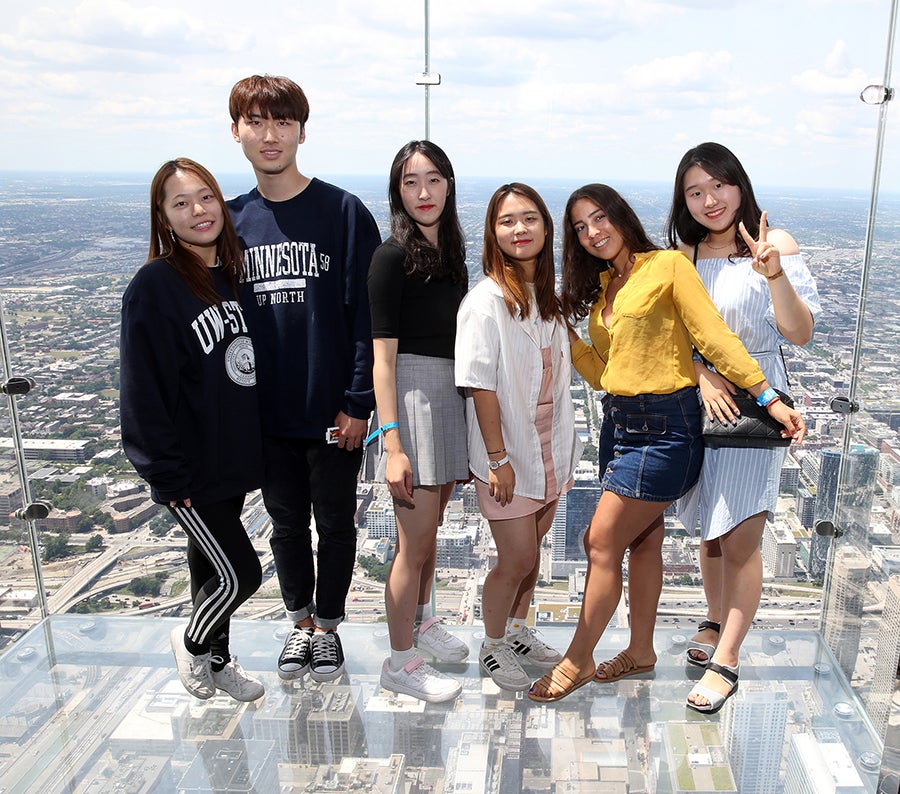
{"x": 512, "y": 356}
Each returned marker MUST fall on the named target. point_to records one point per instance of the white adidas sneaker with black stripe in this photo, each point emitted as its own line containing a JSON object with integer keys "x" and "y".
{"x": 501, "y": 664}
{"x": 531, "y": 648}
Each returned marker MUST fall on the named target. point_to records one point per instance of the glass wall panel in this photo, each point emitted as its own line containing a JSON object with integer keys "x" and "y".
{"x": 861, "y": 475}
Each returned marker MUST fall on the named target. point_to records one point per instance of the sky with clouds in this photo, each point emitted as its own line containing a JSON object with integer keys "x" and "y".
{"x": 599, "y": 90}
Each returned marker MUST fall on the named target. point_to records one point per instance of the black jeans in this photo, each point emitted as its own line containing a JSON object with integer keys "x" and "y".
{"x": 224, "y": 568}
{"x": 305, "y": 478}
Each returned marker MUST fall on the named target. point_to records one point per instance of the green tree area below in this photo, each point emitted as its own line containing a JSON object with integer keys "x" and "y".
{"x": 56, "y": 547}
{"x": 374, "y": 569}
{"x": 146, "y": 585}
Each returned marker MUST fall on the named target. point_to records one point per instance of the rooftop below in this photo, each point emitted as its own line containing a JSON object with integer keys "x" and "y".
{"x": 93, "y": 704}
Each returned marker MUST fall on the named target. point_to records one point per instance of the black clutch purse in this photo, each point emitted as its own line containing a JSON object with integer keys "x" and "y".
{"x": 754, "y": 428}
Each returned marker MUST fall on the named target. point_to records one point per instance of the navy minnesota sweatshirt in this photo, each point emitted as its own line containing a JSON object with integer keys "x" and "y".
{"x": 305, "y": 297}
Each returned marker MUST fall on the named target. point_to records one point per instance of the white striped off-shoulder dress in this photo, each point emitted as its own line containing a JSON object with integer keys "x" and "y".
{"x": 735, "y": 484}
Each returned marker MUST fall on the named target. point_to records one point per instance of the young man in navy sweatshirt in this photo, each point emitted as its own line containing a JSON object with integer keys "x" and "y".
{"x": 307, "y": 248}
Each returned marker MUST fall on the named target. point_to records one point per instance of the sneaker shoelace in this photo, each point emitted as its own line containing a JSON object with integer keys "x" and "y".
{"x": 296, "y": 644}
{"x": 528, "y": 634}
{"x": 325, "y": 650}
{"x": 438, "y": 633}
{"x": 200, "y": 669}
{"x": 504, "y": 655}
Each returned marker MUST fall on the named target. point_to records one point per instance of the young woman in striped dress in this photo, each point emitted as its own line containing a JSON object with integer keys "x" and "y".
{"x": 767, "y": 296}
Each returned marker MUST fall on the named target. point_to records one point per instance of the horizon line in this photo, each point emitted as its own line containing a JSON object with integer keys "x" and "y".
{"x": 489, "y": 177}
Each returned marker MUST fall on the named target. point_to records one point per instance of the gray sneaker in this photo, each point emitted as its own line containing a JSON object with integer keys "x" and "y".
{"x": 236, "y": 682}
{"x": 533, "y": 649}
{"x": 501, "y": 664}
{"x": 194, "y": 672}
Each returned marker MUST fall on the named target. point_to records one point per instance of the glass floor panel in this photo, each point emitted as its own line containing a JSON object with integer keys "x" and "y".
{"x": 93, "y": 704}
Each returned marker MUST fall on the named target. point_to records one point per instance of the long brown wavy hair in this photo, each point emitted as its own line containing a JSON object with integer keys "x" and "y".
{"x": 187, "y": 264}
{"x": 508, "y": 273}
{"x": 581, "y": 271}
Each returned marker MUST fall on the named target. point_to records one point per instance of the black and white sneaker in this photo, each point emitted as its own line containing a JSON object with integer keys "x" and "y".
{"x": 295, "y": 656}
{"x": 327, "y": 656}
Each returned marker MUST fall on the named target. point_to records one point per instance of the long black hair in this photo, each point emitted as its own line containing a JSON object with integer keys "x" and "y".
{"x": 449, "y": 258}
{"x": 722, "y": 164}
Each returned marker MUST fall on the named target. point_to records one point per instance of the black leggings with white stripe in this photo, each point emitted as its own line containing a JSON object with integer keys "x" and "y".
{"x": 224, "y": 568}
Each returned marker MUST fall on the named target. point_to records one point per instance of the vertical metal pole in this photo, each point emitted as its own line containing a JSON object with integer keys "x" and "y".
{"x": 19, "y": 451}
{"x": 870, "y": 227}
{"x": 427, "y": 87}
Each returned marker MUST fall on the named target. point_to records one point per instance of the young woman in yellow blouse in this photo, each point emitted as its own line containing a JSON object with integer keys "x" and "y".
{"x": 649, "y": 312}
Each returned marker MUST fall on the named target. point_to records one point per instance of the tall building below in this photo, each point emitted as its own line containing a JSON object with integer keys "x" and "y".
{"x": 779, "y": 550}
{"x": 887, "y": 659}
{"x": 380, "y": 520}
{"x": 849, "y": 506}
{"x": 818, "y": 763}
{"x": 806, "y": 506}
{"x": 567, "y": 538}
{"x": 845, "y": 598}
{"x": 753, "y": 725}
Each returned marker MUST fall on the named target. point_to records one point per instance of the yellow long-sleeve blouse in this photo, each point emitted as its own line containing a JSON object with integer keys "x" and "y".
{"x": 659, "y": 316}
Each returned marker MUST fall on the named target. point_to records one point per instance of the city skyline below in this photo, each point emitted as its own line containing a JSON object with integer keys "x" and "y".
{"x": 592, "y": 92}
{"x": 68, "y": 252}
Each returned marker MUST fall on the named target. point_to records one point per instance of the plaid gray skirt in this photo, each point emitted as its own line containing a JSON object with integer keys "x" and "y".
{"x": 431, "y": 414}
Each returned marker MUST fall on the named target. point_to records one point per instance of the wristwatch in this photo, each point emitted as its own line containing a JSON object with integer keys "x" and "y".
{"x": 493, "y": 465}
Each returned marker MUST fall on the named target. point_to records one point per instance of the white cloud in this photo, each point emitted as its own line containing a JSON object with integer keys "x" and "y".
{"x": 542, "y": 87}
{"x": 700, "y": 70}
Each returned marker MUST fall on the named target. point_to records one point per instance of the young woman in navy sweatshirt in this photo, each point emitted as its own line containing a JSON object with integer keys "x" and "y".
{"x": 190, "y": 423}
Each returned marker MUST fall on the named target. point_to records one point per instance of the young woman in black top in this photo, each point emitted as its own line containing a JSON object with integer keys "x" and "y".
{"x": 190, "y": 419}
{"x": 416, "y": 282}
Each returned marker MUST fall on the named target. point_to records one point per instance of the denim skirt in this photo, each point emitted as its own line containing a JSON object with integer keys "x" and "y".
{"x": 651, "y": 447}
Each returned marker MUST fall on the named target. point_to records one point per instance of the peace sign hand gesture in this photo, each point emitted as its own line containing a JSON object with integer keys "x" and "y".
{"x": 766, "y": 257}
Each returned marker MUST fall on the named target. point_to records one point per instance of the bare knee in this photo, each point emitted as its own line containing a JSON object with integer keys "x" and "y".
{"x": 515, "y": 566}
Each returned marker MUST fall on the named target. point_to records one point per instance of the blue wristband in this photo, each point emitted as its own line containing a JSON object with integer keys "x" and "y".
{"x": 767, "y": 397}
{"x": 380, "y": 432}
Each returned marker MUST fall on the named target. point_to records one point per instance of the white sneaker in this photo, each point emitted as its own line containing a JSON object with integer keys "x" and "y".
{"x": 194, "y": 672}
{"x": 420, "y": 680}
{"x": 532, "y": 648}
{"x": 501, "y": 664}
{"x": 431, "y": 636}
{"x": 236, "y": 682}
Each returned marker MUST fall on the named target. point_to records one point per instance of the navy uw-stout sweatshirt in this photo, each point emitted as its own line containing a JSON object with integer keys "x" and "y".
{"x": 305, "y": 296}
{"x": 189, "y": 409}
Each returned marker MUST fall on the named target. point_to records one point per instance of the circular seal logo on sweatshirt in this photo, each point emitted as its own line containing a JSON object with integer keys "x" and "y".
{"x": 240, "y": 363}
